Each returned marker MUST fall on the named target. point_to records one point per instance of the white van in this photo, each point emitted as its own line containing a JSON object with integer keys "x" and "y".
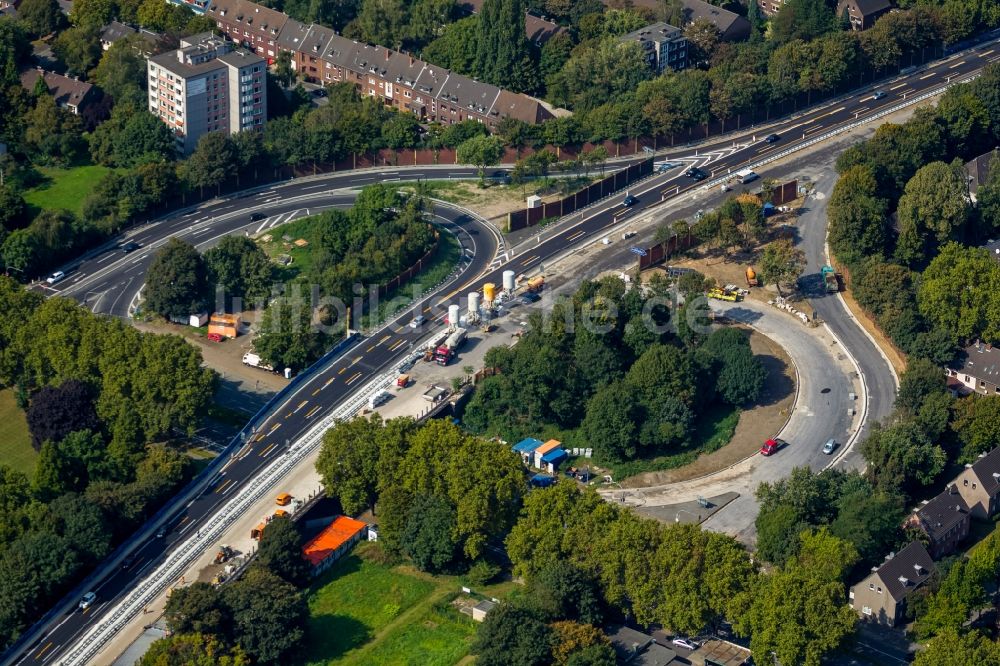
{"x": 746, "y": 176}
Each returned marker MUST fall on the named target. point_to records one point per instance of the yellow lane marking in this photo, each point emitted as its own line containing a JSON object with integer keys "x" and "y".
{"x": 356, "y": 359}
{"x": 368, "y": 351}
{"x": 530, "y": 260}
{"x": 221, "y": 486}
{"x": 397, "y": 345}
{"x": 814, "y": 129}
{"x": 927, "y": 75}
{"x": 263, "y": 454}
{"x": 353, "y": 379}
{"x": 383, "y": 340}
{"x": 312, "y": 411}
{"x": 186, "y": 518}
{"x": 957, "y": 64}
{"x": 986, "y": 53}
{"x": 43, "y": 650}
{"x": 301, "y": 405}
{"x": 342, "y": 371}
{"x": 576, "y": 235}
{"x": 273, "y": 428}
{"x": 899, "y": 85}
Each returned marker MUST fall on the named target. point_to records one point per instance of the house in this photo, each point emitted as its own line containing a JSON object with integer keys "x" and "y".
{"x": 979, "y": 485}
{"x": 482, "y": 609}
{"x": 333, "y": 542}
{"x": 538, "y": 30}
{"x": 881, "y": 596}
{"x": 526, "y": 448}
{"x": 540, "y": 452}
{"x": 197, "y": 6}
{"x": 71, "y": 94}
{"x": 977, "y": 370}
{"x": 116, "y": 31}
{"x": 732, "y": 27}
{"x": 715, "y": 652}
{"x": 638, "y": 649}
{"x": 944, "y": 519}
{"x": 979, "y": 170}
{"x": 863, "y": 13}
{"x": 8, "y": 8}
{"x": 254, "y": 26}
{"x": 664, "y": 45}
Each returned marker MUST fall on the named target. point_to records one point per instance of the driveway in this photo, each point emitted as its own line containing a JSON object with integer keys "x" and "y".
{"x": 826, "y": 378}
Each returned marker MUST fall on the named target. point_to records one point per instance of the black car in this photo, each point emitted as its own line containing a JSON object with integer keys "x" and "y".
{"x": 772, "y": 138}
{"x": 130, "y": 246}
{"x": 257, "y": 217}
{"x": 530, "y": 298}
{"x": 630, "y": 200}
{"x": 696, "y": 174}
{"x": 319, "y": 92}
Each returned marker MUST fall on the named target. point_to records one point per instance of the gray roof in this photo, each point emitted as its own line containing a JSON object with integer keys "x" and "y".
{"x": 114, "y": 31}
{"x": 654, "y": 655}
{"x": 291, "y": 35}
{"x": 981, "y": 361}
{"x": 257, "y": 19}
{"x": 869, "y": 7}
{"x": 906, "y": 570}
{"x": 537, "y": 29}
{"x": 628, "y": 642}
{"x": 65, "y": 90}
{"x": 176, "y": 61}
{"x": 979, "y": 169}
{"x": 985, "y": 467}
{"x": 485, "y": 605}
{"x": 658, "y": 30}
{"x": 942, "y": 513}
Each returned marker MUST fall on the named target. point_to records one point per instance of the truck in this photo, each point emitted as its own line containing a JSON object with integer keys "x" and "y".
{"x": 830, "y": 279}
{"x": 725, "y": 294}
{"x": 535, "y": 284}
{"x": 445, "y": 352}
{"x": 254, "y": 361}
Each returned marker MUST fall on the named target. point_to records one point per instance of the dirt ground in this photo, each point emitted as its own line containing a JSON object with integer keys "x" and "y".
{"x": 241, "y": 387}
{"x": 755, "y": 425}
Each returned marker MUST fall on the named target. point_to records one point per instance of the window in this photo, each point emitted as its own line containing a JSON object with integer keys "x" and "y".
{"x": 879, "y": 590}
{"x": 965, "y": 482}
{"x": 973, "y": 486}
{"x": 871, "y": 586}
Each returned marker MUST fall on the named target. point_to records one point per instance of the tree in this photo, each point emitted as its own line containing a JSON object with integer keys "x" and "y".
{"x": 280, "y": 551}
{"x": 480, "y": 151}
{"x": 13, "y": 209}
{"x": 41, "y": 17}
{"x": 51, "y": 134}
{"x": 241, "y": 267}
{"x": 933, "y": 210}
{"x": 777, "y": 533}
{"x": 610, "y": 424}
{"x": 381, "y": 22}
{"x": 212, "y": 162}
{"x": 456, "y": 47}
{"x": 503, "y": 54}
{"x": 197, "y": 608}
{"x": 427, "y": 537}
{"x": 56, "y": 411}
{"x": 781, "y": 263}
{"x": 977, "y": 424}
{"x": 79, "y": 48}
{"x": 952, "y": 303}
{"x": 193, "y": 650}
{"x": 585, "y": 642}
{"x": 512, "y": 636}
{"x": 288, "y": 338}
{"x": 121, "y": 72}
{"x": 858, "y": 217}
{"x": 176, "y": 281}
{"x": 740, "y": 375}
{"x": 284, "y": 71}
{"x": 348, "y": 463}
{"x": 269, "y": 616}
{"x": 951, "y": 648}
{"x": 561, "y": 591}
{"x": 802, "y": 19}
{"x": 900, "y": 456}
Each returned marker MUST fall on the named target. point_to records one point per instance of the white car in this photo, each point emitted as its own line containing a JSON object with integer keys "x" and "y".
{"x": 830, "y": 446}
{"x": 418, "y": 321}
{"x": 55, "y": 277}
{"x": 88, "y": 600}
{"x": 686, "y": 643}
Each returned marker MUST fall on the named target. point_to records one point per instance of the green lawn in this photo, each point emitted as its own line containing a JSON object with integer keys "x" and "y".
{"x": 15, "y": 441}
{"x": 364, "y": 612}
{"x": 65, "y": 188}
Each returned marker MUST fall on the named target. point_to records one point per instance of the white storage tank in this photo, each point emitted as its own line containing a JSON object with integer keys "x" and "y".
{"x": 474, "y": 302}
{"x": 453, "y": 315}
{"x": 508, "y": 281}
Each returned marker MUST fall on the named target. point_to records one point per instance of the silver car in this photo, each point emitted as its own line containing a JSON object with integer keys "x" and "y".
{"x": 88, "y": 600}
{"x": 830, "y": 446}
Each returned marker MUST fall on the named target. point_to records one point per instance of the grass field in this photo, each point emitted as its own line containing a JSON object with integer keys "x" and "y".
{"x": 15, "y": 441}
{"x": 365, "y": 612}
{"x": 65, "y": 188}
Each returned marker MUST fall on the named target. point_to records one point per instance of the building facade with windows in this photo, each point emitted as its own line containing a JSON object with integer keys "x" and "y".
{"x": 664, "y": 45}
{"x": 881, "y": 597}
{"x": 207, "y": 86}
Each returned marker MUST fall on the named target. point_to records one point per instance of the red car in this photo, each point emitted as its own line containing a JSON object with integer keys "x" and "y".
{"x": 771, "y": 446}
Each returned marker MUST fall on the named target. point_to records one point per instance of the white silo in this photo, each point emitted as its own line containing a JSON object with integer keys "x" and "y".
{"x": 508, "y": 281}
{"x": 474, "y": 303}
{"x": 453, "y": 315}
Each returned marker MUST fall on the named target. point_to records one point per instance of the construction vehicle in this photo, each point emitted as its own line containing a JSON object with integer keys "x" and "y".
{"x": 281, "y": 513}
{"x": 284, "y": 499}
{"x": 752, "y": 280}
{"x": 830, "y": 279}
{"x": 535, "y": 284}
{"x": 225, "y": 553}
{"x": 257, "y": 532}
{"x": 725, "y": 294}
{"x": 445, "y": 352}
{"x": 403, "y": 381}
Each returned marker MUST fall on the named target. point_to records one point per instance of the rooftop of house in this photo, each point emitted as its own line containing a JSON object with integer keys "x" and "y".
{"x": 199, "y": 56}
{"x": 258, "y": 18}
{"x": 905, "y": 571}
{"x": 869, "y": 7}
{"x": 114, "y": 31}
{"x": 653, "y": 31}
{"x": 987, "y": 470}
{"x": 538, "y": 29}
{"x": 942, "y": 513}
{"x": 981, "y": 361}
{"x": 65, "y": 90}
{"x": 979, "y": 169}
{"x": 628, "y": 641}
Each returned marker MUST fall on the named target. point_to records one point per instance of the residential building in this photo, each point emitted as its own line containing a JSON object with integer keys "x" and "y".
{"x": 396, "y": 79}
{"x": 979, "y": 170}
{"x": 863, "y": 13}
{"x": 977, "y": 370}
{"x": 197, "y": 6}
{"x": 881, "y": 596}
{"x": 638, "y": 649}
{"x": 8, "y": 8}
{"x": 116, "y": 31}
{"x": 732, "y": 27}
{"x": 207, "y": 86}
{"x": 944, "y": 519}
{"x": 665, "y": 46}
{"x": 70, "y": 93}
{"x": 537, "y": 29}
{"x": 714, "y": 652}
{"x": 979, "y": 485}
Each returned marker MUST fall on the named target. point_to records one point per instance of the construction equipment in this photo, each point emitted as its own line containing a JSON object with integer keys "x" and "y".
{"x": 725, "y": 294}
{"x": 284, "y": 499}
{"x": 830, "y": 279}
{"x": 257, "y": 532}
{"x": 446, "y": 352}
{"x": 752, "y": 280}
{"x": 535, "y": 284}
{"x": 224, "y": 554}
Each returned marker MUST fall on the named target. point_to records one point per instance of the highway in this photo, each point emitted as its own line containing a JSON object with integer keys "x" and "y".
{"x": 108, "y": 282}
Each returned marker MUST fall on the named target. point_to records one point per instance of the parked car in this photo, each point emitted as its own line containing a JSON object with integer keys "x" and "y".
{"x": 629, "y": 201}
{"x": 772, "y": 138}
{"x": 696, "y": 174}
{"x": 530, "y": 298}
{"x": 686, "y": 643}
{"x": 830, "y": 446}
{"x": 55, "y": 277}
{"x": 879, "y": 94}
{"x": 418, "y": 321}
{"x": 88, "y": 600}
{"x": 130, "y": 246}
{"x": 319, "y": 92}
{"x": 257, "y": 217}
{"x": 772, "y": 446}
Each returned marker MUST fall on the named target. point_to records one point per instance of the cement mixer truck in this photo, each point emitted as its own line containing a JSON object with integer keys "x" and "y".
{"x": 445, "y": 352}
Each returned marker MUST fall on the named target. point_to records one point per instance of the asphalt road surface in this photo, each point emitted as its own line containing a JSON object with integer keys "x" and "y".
{"x": 109, "y": 282}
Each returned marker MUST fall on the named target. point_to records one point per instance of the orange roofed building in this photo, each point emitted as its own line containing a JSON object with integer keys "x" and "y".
{"x": 330, "y": 545}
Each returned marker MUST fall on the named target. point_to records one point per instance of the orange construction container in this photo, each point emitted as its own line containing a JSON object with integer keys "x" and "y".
{"x": 257, "y": 532}
{"x": 333, "y": 541}
{"x": 226, "y": 325}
